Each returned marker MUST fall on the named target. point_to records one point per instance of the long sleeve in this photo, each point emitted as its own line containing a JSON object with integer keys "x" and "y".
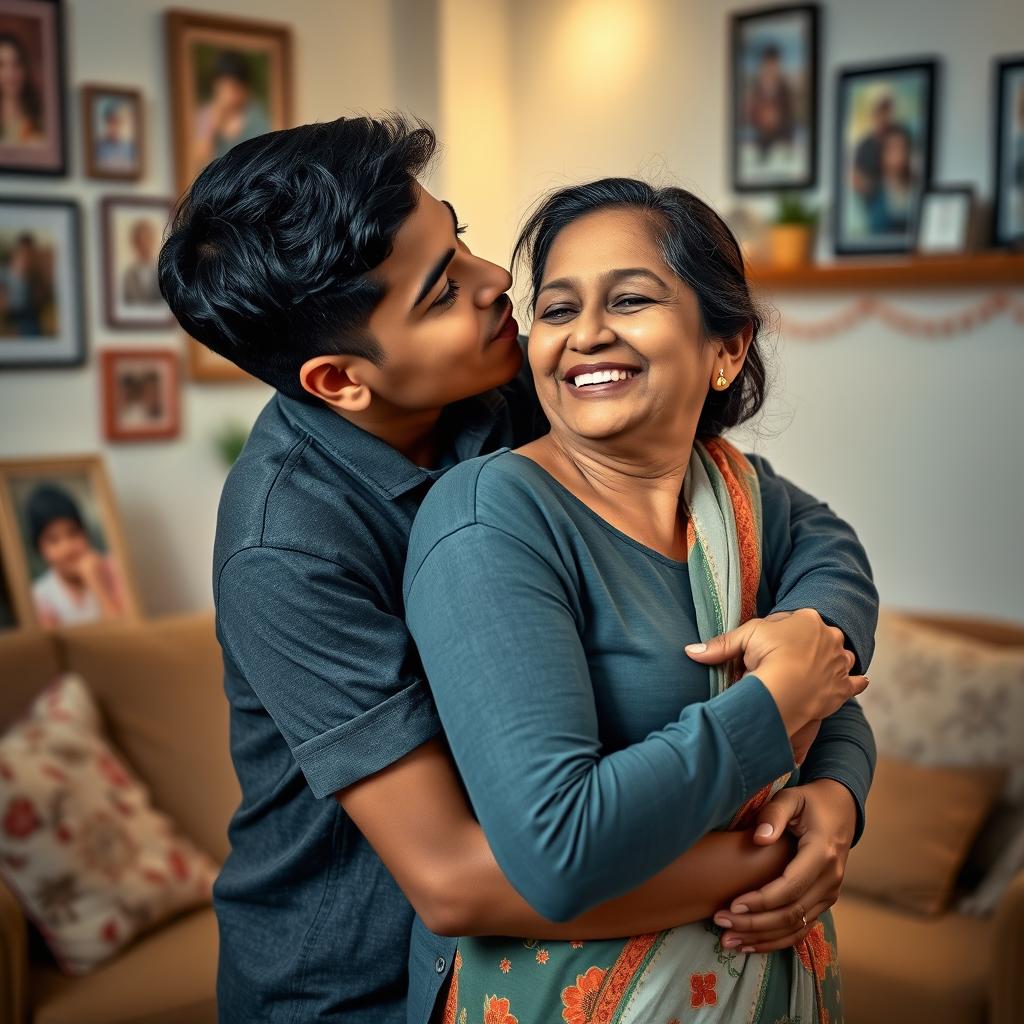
{"x": 813, "y": 559}
{"x": 496, "y": 621}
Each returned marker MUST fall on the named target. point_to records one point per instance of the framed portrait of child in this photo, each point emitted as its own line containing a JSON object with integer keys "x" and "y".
{"x": 62, "y": 544}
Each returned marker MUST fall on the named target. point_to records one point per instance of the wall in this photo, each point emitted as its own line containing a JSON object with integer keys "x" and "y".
{"x": 347, "y": 56}
{"x": 917, "y": 443}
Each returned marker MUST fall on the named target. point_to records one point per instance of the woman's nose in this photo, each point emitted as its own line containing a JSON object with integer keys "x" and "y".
{"x": 590, "y": 332}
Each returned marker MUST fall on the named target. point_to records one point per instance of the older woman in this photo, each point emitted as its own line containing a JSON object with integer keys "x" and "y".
{"x": 552, "y": 591}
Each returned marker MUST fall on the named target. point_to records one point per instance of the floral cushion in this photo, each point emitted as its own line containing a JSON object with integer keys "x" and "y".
{"x": 90, "y": 859}
{"x": 939, "y": 698}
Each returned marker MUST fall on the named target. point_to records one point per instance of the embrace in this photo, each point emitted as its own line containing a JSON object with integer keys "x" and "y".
{"x": 543, "y": 693}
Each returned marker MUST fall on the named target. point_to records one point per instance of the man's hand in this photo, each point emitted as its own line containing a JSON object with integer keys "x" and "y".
{"x": 801, "y": 660}
{"x": 823, "y": 815}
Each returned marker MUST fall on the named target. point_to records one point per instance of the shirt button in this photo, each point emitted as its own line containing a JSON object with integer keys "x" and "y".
{"x": 440, "y": 964}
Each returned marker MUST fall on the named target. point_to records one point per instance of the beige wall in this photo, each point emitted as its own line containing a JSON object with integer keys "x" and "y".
{"x": 916, "y": 442}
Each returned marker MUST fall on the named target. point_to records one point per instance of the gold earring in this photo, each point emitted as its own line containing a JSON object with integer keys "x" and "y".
{"x": 722, "y": 382}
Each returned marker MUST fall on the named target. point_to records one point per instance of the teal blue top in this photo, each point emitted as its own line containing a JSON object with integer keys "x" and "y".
{"x": 553, "y": 645}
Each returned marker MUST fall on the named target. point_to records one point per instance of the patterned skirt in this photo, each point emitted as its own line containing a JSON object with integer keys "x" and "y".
{"x": 671, "y": 977}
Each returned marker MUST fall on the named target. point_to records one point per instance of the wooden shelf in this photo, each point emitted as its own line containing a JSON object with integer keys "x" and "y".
{"x": 972, "y": 270}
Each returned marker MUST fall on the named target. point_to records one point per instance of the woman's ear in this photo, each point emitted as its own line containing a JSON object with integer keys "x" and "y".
{"x": 337, "y": 381}
{"x": 730, "y": 354}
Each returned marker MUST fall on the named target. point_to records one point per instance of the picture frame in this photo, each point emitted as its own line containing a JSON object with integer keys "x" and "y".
{"x": 884, "y": 141}
{"x": 230, "y": 79}
{"x": 62, "y": 542}
{"x": 42, "y": 304}
{"x": 140, "y": 394}
{"x": 1008, "y": 153}
{"x": 12, "y": 615}
{"x": 945, "y": 221}
{"x": 113, "y": 132}
{"x": 774, "y": 85}
{"x": 32, "y": 40}
{"x": 133, "y": 228}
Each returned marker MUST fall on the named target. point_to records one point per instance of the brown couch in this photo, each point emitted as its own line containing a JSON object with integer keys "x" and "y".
{"x": 160, "y": 689}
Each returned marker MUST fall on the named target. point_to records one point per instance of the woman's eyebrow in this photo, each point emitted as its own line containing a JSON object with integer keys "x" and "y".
{"x": 610, "y": 277}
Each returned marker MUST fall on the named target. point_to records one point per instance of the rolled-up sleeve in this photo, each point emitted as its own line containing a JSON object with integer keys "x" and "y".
{"x": 570, "y": 826}
{"x": 336, "y": 671}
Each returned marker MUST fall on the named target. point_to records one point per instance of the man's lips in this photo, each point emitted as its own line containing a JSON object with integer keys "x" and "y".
{"x": 506, "y": 325}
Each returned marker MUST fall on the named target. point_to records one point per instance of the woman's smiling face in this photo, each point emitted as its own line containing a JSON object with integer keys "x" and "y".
{"x": 617, "y": 346}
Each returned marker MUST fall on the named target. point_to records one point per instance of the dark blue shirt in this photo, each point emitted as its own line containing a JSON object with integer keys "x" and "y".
{"x": 326, "y": 688}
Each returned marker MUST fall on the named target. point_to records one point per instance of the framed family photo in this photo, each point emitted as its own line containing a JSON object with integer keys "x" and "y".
{"x": 41, "y": 303}
{"x": 32, "y": 122}
{"x": 883, "y": 158}
{"x": 112, "y": 132}
{"x": 133, "y": 229}
{"x": 774, "y": 70}
{"x": 1009, "y": 152}
{"x": 231, "y": 80}
{"x": 61, "y": 539}
{"x": 140, "y": 394}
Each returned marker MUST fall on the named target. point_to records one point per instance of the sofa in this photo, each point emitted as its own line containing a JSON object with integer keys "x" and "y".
{"x": 159, "y": 686}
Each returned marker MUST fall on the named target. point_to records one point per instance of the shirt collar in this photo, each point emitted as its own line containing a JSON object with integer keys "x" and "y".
{"x": 464, "y": 429}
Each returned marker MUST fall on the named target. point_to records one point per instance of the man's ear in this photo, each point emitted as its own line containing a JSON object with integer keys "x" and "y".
{"x": 337, "y": 381}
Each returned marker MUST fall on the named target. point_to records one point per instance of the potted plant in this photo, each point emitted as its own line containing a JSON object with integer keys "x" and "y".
{"x": 791, "y": 237}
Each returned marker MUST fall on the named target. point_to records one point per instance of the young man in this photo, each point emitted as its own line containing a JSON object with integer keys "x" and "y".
{"x": 313, "y": 259}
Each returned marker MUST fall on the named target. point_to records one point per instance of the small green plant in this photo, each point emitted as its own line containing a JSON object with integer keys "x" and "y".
{"x": 230, "y": 440}
{"x": 793, "y": 210}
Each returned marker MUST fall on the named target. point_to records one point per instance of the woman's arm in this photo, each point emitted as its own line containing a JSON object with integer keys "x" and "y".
{"x": 570, "y": 825}
{"x": 452, "y": 879}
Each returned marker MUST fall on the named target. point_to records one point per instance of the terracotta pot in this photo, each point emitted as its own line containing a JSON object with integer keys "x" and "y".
{"x": 789, "y": 245}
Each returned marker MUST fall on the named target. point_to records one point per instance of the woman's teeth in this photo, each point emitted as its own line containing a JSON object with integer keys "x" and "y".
{"x": 602, "y": 377}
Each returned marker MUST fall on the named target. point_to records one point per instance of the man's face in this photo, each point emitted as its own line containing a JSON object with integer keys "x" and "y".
{"x": 445, "y": 324}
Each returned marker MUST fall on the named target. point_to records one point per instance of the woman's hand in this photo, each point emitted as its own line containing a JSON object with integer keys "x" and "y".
{"x": 802, "y": 739}
{"x": 823, "y": 815}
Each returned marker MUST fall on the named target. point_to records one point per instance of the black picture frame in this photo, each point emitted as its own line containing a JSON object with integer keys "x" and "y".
{"x": 1002, "y": 236}
{"x": 59, "y": 167}
{"x": 739, "y": 24}
{"x": 903, "y": 242}
{"x": 75, "y": 291}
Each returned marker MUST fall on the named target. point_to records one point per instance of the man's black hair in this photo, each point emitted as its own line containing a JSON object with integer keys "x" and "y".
{"x": 269, "y": 257}
{"x": 46, "y": 505}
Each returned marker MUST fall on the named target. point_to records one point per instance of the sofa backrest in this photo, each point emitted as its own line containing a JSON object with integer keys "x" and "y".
{"x": 29, "y": 660}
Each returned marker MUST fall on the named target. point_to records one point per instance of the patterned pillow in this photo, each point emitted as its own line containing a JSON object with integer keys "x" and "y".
{"x": 91, "y": 861}
{"x": 938, "y": 698}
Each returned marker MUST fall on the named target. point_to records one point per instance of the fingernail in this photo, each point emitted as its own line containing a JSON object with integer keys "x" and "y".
{"x": 746, "y": 949}
{"x": 730, "y": 943}
{"x": 740, "y": 908}
{"x": 723, "y": 922}
{"x": 763, "y": 829}
{"x": 696, "y": 648}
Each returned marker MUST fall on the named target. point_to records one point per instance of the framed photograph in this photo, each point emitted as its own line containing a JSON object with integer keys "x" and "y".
{"x": 133, "y": 229}
{"x": 945, "y": 220}
{"x": 140, "y": 394}
{"x": 231, "y": 80}
{"x": 774, "y": 62}
{"x": 1009, "y": 155}
{"x": 883, "y": 161}
{"x": 61, "y": 538}
{"x": 41, "y": 304}
{"x": 112, "y": 132}
{"x": 32, "y": 128}
{"x": 10, "y": 615}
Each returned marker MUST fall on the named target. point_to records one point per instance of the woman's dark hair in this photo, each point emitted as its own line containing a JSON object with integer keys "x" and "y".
{"x": 269, "y": 254}
{"x": 46, "y": 505}
{"x": 701, "y": 250}
{"x": 30, "y": 100}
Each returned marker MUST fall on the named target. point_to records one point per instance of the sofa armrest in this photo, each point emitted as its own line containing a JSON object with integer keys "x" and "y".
{"x": 1007, "y": 981}
{"x": 13, "y": 959}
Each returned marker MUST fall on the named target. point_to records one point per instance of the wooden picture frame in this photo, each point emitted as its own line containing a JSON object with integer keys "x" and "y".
{"x": 152, "y": 412}
{"x": 40, "y": 243}
{"x": 945, "y": 221}
{"x": 252, "y": 62}
{"x": 131, "y": 294}
{"x": 33, "y": 33}
{"x": 113, "y": 159}
{"x": 785, "y": 42}
{"x": 1007, "y": 165}
{"x": 78, "y": 496}
{"x": 869, "y": 218}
